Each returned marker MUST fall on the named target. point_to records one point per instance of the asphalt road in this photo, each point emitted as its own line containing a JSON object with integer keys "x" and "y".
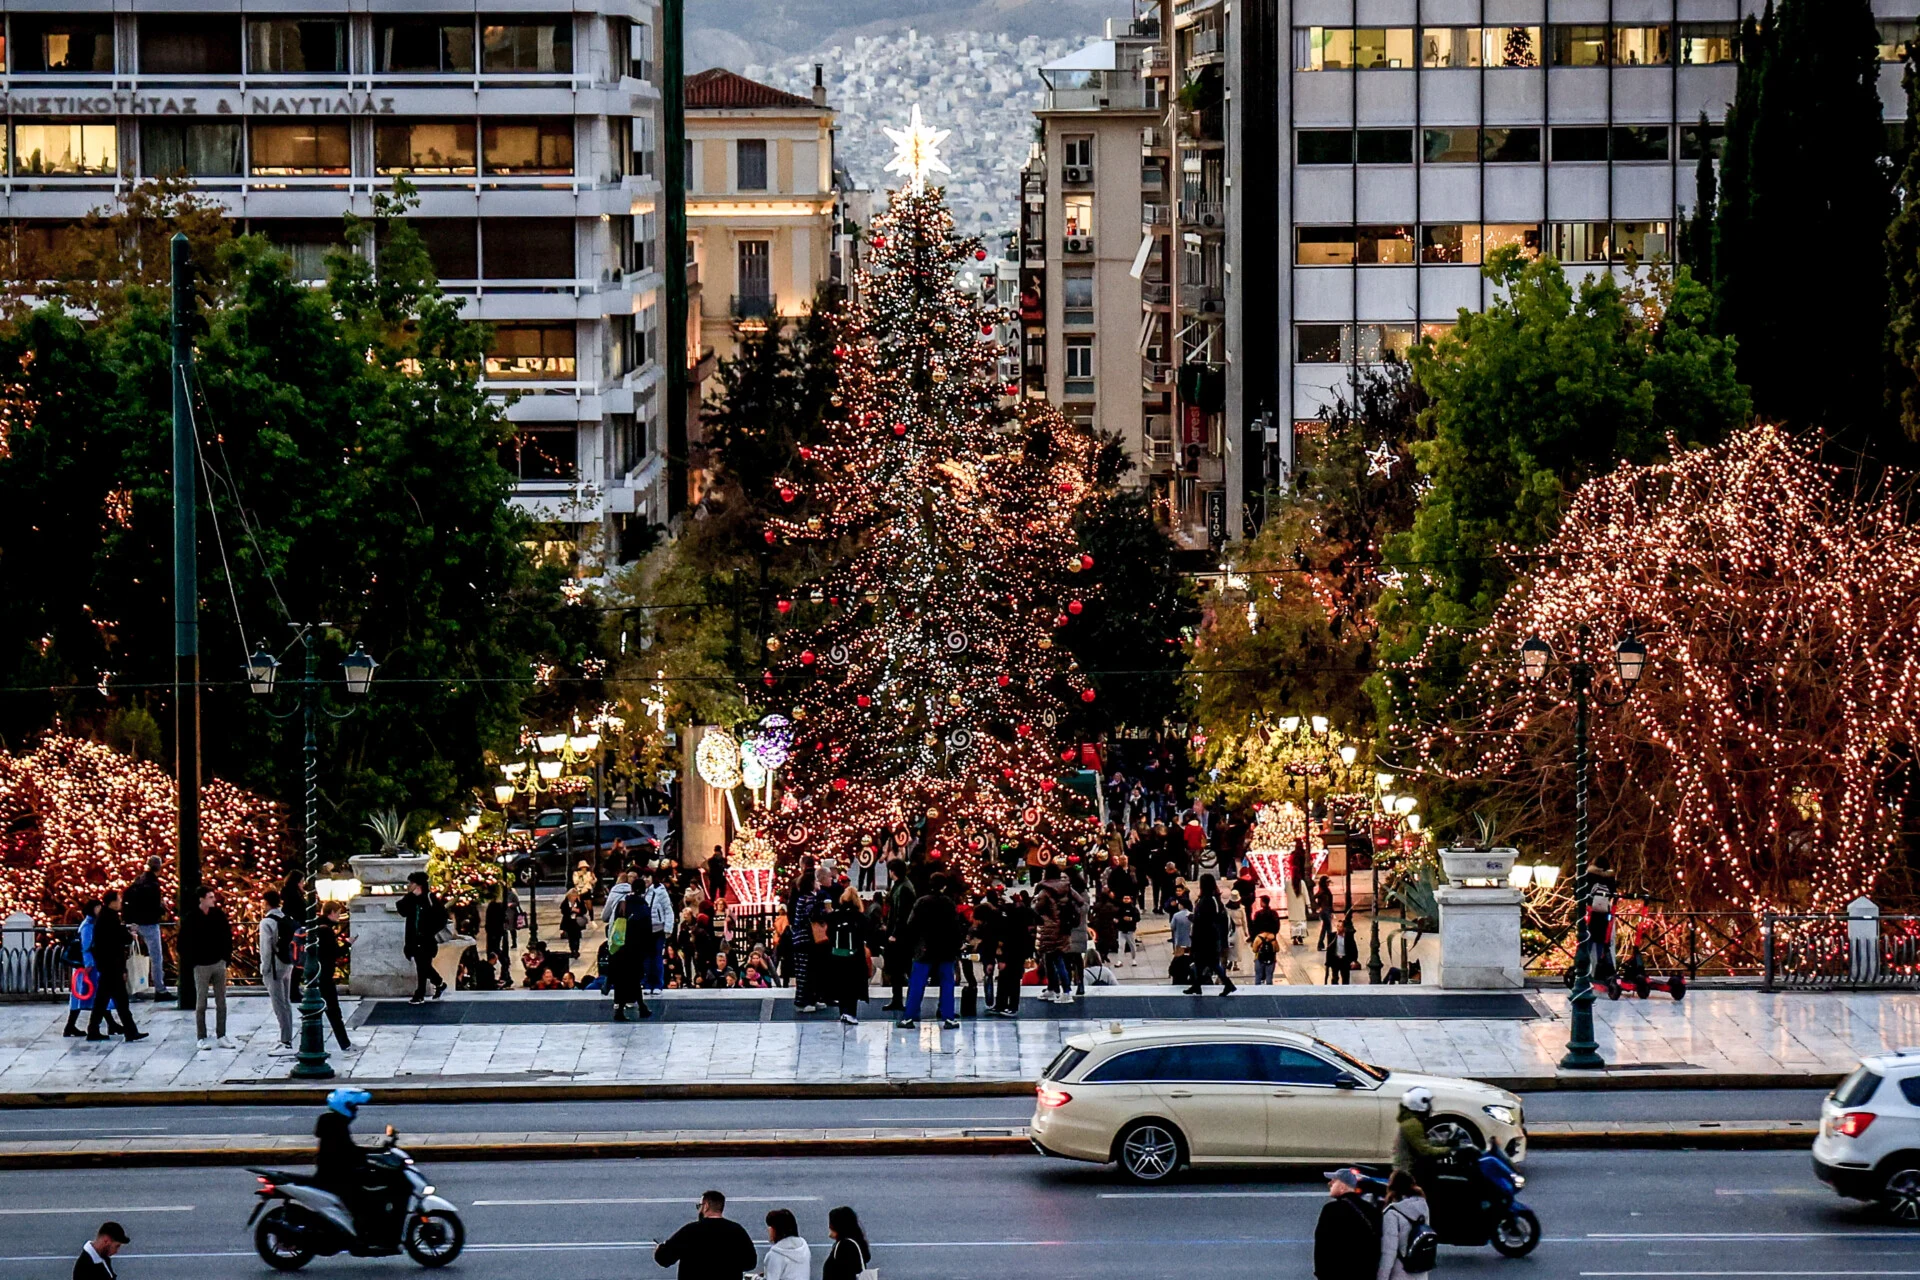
{"x": 578, "y": 1117}
{"x": 1606, "y": 1214}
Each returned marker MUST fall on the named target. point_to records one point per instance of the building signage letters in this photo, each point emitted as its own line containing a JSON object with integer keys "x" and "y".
{"x": 144, "y": 104}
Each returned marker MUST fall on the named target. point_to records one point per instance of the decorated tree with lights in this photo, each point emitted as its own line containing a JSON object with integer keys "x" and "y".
{"x": 926, "y": 676}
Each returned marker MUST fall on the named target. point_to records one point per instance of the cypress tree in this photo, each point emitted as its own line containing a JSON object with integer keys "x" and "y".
{"x": 1696, "y": 233}
{"x": 1736, "y": 167}
{"x": 1815, "y": 168}
{"x": 1903, "y": 270}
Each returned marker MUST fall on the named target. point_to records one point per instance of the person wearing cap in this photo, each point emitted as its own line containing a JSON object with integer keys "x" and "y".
{"x": 1346, "y": 1239}
{"x": 96, "y": 1256}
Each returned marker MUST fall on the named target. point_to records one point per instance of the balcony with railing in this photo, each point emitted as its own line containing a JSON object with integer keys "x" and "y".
{"x": 1205, "y": 299}
{"x": 1207, "y": 215}
{"x": 1117, "y": 90}
{"x": 1154, "y": 215}
{"x": 757, "y": 307}
{"x": 1156, "y": 293}
{"x": 1206, "y": 47}
{"x": 1156, "y": 376}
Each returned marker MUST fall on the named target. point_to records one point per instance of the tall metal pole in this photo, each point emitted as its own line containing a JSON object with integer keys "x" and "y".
{"x": 186, "y": 600}
{"x": 1583, "y": 1052}
{"x": 674, "y": 195}
{"x": 312, "y": 1063}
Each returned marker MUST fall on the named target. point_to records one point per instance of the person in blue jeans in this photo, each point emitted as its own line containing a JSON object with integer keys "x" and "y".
{"x": 937, "y": 932}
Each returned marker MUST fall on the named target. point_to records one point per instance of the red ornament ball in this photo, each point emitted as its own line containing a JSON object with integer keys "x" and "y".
{"x": 863, "y": 701}
{"x": 806, "y": 657}
{"x": 771, "y": 537}
{"x": 1060, "y": 620}
{"x": 806, "y": 454}
{"x": 1066, "y": 757}
{"x": 1003, "y": 681}
{"x": 839, "y": 784}
{"x": 1086, "y": 695}
{"x": 980, "y": 255}
{"x": 1013, "y": 389}
{"x": 1025, "y": 730}
{"x": 986, "y": 330}
{"x": 879, "y": 242}
{"x": 899, "y": 428}
{"x": 1066, "y": 486}
{"x": 1046, "y": 784}
{"x": 766, "y": 678}
{"x": 787, "y": 494}
{"x": 784, "y": 606}
{"x": 1074, "y": 607}
{"x": 1086, "y": 562}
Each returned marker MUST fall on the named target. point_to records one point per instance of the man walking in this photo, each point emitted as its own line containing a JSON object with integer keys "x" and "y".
{"x": 109, "y": 961}
{"x": 425, "y": 919}
{"x": 206, "y": 948}
{"x": 146, "y": 908}
{"x": 1017, "y": 926}
{"x": 937, "y": 934}
{"x": 276, "y": 967}
{"x": 1346, "y": 1239}
{"x": 96, "y": 1256}
{"x": 711, "y": 1247}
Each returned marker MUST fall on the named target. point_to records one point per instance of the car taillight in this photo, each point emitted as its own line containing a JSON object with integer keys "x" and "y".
{"x": 1051, "y": 1097}
{"x": 1853, "y": 1124}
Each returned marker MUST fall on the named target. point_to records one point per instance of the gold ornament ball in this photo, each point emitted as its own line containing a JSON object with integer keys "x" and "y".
{"x": 799, "y": 713}
{"x": 1046, "y": 643}
{"x": 773, "y": 644}
{"x": 933, "y": 815}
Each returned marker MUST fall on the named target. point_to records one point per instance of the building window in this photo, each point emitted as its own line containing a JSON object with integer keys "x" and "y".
{"x": 1702, "y": 44}
{"x": 1524, "y": 236}
{"x": 1322, "y": 49}
{"x": 1450, "y": 243}
{"x": 750, "y": 164}
{"x": 1510, "y": 145}
{"x": 1710, "y": 139}
{"x": 1450, "y": 146}
{"x": 293, "y": 46}
{"x": 305, "y": 241}
{"x": 1347, "y": 49}
{"x": 1450, "y": 47}
{"x": 1379, "y": 343}
{"x": 642, "y": 47}
{"x": 1384, "y": 146}
{"x": 62, "y": 42}
{"x": 1383, "y": 245}
{"x": 423, "y": 45}
{"x": 531, "y": 353}
{"x": 445, "y": 147}
{"x": 754, "y": 275}
{"x": 54, "y": 147}
{"x": 1640, "y": 46}
{"x": 526, "y": 44}
{"x": 202, "y": 150}
{"x": 1079, "y": 366}
{"x": 307, "y": 148}
{"x": 1579, "y": 46}
{"x": 1078, "y": 211}
{"x": 174, "y": 44}
{"x": 528, "y": 146}
{"x": 1511, "y": 46}
{"x": 1580, "y": 143}
{"x": 1326, "y": 146}
{"x": 1601, "y": 242}
{"x": 1077, "y": 152}
{"x": 1077, "y": 297}
{"x": 527, "y": 249}
{"x": 1894, "y": 39}
{"x": 542, "y": 453}
{"x": 643, "y": 146}
{"x": 646, "y": 239}
{"x": 1323, "y": 246}
{"x": 452, "y": 245}
{"x": 1382, "y": 48}
{"x": 1642, "y": 142}
{"x": 1640, "y": 241}
{"x": 1323, "y": 343}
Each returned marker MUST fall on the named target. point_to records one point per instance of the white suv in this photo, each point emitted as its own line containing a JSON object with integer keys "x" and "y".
{"x": 1869, "y": 1143}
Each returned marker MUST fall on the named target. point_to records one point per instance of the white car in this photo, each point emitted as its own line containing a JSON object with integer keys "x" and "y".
{"x": 1869, "y": 1143}
{"x": 1154, "y": 1098}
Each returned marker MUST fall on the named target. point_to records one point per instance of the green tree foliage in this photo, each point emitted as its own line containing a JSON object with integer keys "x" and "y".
{"x": 349, "y": 475}
{"x": 1903, "y": 270}
{"x": 1696, "y": 230}
{"x": 1806, "y": 148}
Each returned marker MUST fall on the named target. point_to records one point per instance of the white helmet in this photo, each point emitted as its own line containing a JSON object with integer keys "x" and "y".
{"x": 1417, "y": 1100}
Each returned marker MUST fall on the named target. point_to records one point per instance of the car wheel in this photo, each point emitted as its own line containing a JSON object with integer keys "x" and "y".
{"x": 1900, "y": 1194}
{"x": 1516, "y": 1234}
{"x": 1149, "y": 1151}
{"x": 1451, "y": 1132}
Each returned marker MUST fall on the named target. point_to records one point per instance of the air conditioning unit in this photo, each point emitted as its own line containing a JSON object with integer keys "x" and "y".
{"x": 1210, "y": 306}
{"x": 1079, "y": 173}
{"x": 1209, "y": 219}
{"x": 1079, "y": 244}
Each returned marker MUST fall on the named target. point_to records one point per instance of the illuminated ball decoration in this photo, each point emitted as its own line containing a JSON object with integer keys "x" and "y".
{"x": 717, "y": 759}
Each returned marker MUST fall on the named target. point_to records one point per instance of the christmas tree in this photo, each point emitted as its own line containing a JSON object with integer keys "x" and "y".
{"x": 924, "y": 675}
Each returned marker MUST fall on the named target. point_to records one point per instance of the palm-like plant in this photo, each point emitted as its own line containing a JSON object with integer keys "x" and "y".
{"x": 392, "y": 830}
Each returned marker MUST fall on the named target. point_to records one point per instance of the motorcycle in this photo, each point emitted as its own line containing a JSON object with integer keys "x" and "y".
{"x": 298, "y": 1220}
{"x": 1472, "y": 1201}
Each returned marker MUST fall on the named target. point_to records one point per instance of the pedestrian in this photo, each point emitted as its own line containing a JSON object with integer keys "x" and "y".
{"x": 800, "y": 928}
{"x": 1406, "y": 1209}
{"x": 1323, "y": 907}
{"x": 937, "y": 934}
{"x": 84, "y": 982}
{"x": 108, "y": 960}
{"x": 789, "y": 1257}
{"x": 711, "y": 1247}
{"x": 1263, "y": 938}
{"x": 585, "y": 883}
{"x": 206, "y": 949}
{"x": 1060, "y": 912}
{"x": 494, "y": 920}
{"x": 1018, "y": 924}
{"x": 1081, "y": 936}
{"x": 1211, "y": 927}
{"x": 276, "y": 967}
{"x": 327, "y": 938}
{"x": 293, "y": 901}
{"x": 573, "y": 920}
{"x": 1297, "y": 880}
{"x": 897, "y": 954}
{"x": 1346, "y": 1239}
{"x": 850, "y": 1254}
{"x": 96, "y": 1255}
{"x": 629, "y": 946}
{"x": 849, "y": 959}
{"x": 146, "y": 907}
{"x": 660, "y": 917}
{"x": 425, "y": 918}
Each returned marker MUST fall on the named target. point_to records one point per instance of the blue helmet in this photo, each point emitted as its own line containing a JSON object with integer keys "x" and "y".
{"x": 348, "y": 1101}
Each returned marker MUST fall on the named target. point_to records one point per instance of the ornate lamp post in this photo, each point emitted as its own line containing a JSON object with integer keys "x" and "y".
{"x": 357, "y": 670}
{"x": 1629, "y": 661}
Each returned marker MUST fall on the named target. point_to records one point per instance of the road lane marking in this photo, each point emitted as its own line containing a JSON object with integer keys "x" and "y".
{"x": 687, "y": 1199}
{"x": 1736, "y": 1237}
{"x": 116, "y": 1209}
{"x": 1772, "y": 1191}
{"x": 1645, "y": 1274}
{"x": 1212, "y": 1195}
{"x": 97, "y": 1128}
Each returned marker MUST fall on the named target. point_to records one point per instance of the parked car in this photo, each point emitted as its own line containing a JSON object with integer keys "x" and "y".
{"x": 1153, "y": 1099}
{"x": 554, "y": 850}
{"x": 548, "y": 820}
{"x": 1869, "y": 1143}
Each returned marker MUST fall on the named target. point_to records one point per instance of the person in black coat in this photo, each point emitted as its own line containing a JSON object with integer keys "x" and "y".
{"x": 848, "y": 955}
{"x": 1210, "y": 930}
{"x": 96, "y": 1256}
{"x": 1346, "y": 1239}
{"x": 294, "y": 905}
{"x": 425, "y": 918}
{"x": 110, "y": 944}
{"x": 324, "y": 936}
{"x": 1018, "y": 923}
{"x": 937, "y": 931}
{"x": 711, "y": 1247}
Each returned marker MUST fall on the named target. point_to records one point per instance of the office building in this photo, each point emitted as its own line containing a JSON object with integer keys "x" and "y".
{"x": 530, "y": 136}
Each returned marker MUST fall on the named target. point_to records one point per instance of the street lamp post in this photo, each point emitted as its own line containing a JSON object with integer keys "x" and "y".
{"x": 262, "y": 671}
{"x": 1630, "y": 660}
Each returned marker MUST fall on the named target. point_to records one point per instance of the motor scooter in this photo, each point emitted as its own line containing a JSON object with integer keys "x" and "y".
{"x": 1472, "y": 1200}
{"x": 297, "y": 1220}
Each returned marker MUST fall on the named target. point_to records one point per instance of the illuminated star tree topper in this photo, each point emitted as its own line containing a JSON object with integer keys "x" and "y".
{"x": 917, "y": 152}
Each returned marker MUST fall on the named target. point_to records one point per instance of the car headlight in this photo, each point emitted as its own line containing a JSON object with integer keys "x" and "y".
{"x": 1501, "y": 1113}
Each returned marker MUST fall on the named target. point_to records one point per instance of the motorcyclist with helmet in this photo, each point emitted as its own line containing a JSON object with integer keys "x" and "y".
{"x": 340, "y": 1163}
{"x": 1411, "y": 1144}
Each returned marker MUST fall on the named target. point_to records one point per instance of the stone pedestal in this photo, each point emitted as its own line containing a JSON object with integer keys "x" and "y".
{"x": 380, "y": 964}
{"x": 1479, "y": 940}
{"x": 16, "y": 955}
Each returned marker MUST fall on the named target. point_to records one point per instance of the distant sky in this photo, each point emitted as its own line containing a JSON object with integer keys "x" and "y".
{"x": 733, "y": 33}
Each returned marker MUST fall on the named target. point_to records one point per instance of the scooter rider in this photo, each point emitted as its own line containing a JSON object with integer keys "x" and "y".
{"x": 1410, "y": 1143}
{"x": 339, "y": 1163}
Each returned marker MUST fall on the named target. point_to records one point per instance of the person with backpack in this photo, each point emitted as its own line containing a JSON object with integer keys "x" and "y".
{"x": 1061, "y": 911}
{"x": 1409, "y": 1246}
{"x": 849, "y": 954}
{"x": 276, "y": 967}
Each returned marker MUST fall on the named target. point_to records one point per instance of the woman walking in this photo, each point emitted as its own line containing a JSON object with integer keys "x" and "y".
{"x": 629, "y": 935}
{"x": 789, "y": 1257}
{"x": 573, "y": 920}
{"x": 850, "y": 1253}
{"x": 1406, "y": 1208}
{"x": 849, "y": 955}
{"x": 85, "y": 988}
{"x": 1211, "y": 928}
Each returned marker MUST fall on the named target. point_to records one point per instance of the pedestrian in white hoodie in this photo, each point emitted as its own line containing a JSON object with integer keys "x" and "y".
{"x": 621, "y": 888}
{"x": 1405, "y": 1208}
{"x": 790, "y": 1257}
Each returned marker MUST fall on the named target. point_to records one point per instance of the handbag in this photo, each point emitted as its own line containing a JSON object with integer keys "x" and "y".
{"x": 868, "y": 1272}
{"x": 819, "y": 929}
